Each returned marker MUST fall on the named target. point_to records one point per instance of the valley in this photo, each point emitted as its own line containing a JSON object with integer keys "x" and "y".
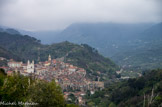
{"x": 81, "y": 53}
{"x": 135, "y": 45}
{"x": 85, "y": 76}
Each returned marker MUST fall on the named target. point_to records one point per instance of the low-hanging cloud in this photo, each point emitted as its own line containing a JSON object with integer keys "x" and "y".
{"x": 57, "y": 14}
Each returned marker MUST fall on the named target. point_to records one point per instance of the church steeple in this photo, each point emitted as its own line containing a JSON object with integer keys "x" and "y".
{"x": 49, "y": 57}
{"x": 28, "y": 62}
{"x": 32, "y": 61}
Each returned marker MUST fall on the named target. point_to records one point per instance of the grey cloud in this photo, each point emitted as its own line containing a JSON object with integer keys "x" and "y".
{"x": 57, "y": 14}
{"x": 5, "y": 2}
{"x": 2, "y": 2}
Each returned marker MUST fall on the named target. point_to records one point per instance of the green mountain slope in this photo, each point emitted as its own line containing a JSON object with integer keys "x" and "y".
{"x": 23, "y": 46}
{"x": 134, "y": 46}
{"x": 145, "y": 91}
{"x": 7, "y": 54}
{"x": 83, "y": 56}
{"x": 27, "y": 47}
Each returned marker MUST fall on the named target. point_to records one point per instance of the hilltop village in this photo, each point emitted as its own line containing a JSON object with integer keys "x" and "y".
{"x": 71, "y": 79}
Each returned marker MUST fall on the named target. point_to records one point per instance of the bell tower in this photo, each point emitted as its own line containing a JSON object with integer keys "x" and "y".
{"x": 49, "y": 58}
{"x": 30, "y": 67}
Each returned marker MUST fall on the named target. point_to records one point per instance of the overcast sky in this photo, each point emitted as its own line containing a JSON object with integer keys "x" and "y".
{"x": 58, "y": 14}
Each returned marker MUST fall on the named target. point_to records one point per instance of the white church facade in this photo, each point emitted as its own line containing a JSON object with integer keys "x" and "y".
{"x": 30, "y": 67}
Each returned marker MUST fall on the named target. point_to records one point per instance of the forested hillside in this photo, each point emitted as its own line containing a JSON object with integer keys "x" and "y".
{"x": 7, "y": 54}
{"x": 145, "y": 91}
{"x": 29, "y": 48}
{"x": 134, "y": 46}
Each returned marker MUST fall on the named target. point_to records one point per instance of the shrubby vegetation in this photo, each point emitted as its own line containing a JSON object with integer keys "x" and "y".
{"x": 18, "y": 88}
{"x": 143, "y": 91}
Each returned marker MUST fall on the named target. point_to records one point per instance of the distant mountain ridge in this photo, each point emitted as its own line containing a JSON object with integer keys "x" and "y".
{"x": 29, "y": 48}
{"x": 136, "y": 46}
{"x": 107, "y": 38}
{"x": 147, "y": 53}
{"x": 9, "y": 30}
{"x": 133, "y": 45}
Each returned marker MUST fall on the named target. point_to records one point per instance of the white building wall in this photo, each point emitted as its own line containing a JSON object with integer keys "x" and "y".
{"x": 30, "y": 67}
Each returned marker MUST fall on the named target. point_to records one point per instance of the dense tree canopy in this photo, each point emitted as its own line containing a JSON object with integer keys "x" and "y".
{"x": 143, "y": 91}
{"x": 18, "y": 88}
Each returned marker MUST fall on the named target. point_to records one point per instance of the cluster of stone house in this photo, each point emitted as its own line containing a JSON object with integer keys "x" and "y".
{"x": 68, "y": 76}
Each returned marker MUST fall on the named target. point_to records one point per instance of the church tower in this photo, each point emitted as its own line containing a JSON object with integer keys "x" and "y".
{"x": 49, "y": 58}
{"x": 30, "y": 67}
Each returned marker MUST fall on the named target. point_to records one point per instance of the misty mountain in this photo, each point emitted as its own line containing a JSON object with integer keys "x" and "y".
{"x": 84, "y": 56}
{"x": 12, "y": 31}
{"x": 153, "y": 33}
{"x": 107, "y": 38}
{"x": 1, "y": 30}
{"x": 136, "y": 46}
{"x": 147, "y": 53}
{"x": 9, "y": 30}
{"x": 130, "y": 45}
{"x": 46, "y": 37}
